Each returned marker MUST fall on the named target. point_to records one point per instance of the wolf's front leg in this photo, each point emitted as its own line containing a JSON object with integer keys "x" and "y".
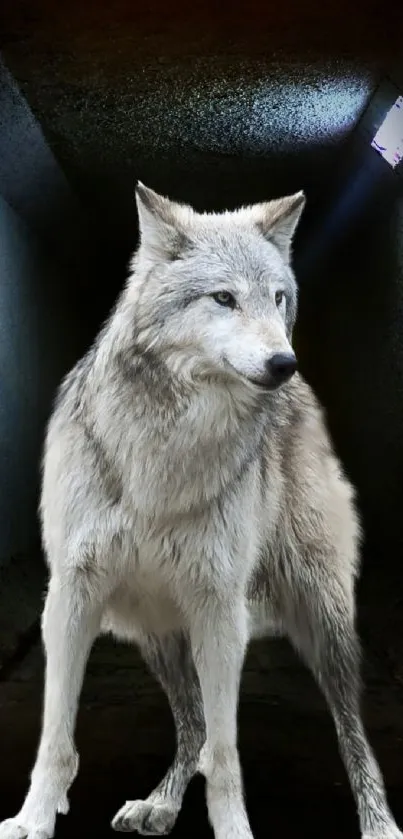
{"x": 170, "y": 660}
{"x": 218, "y": 633}
{"x": 70, "y": 625}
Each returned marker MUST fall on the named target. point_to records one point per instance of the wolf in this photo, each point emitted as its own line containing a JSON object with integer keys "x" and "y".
{"x": 191, "y": 501}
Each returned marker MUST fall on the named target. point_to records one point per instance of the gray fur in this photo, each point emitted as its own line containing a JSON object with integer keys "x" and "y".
{"x": 190, "y": 503}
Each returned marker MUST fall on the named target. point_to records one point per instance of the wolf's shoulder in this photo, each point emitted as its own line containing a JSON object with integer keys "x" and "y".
{"x": 69, "y": 399}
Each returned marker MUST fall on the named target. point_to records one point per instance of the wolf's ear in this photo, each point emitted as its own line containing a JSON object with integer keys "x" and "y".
{"x": 161, "y": 222}
{"x": 278, "y": 220}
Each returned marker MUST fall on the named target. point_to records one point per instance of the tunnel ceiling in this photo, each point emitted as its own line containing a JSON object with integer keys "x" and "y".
{"x": 188, "y": 96}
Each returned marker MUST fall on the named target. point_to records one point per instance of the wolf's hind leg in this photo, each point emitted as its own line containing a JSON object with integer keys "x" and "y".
{"x": 170, "y": 660}
{"x": 321, "y": 625}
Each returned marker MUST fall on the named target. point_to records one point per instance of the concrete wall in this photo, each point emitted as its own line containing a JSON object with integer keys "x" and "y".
{"x": 45, "y": 256}
{"x": 351, "y": 336}
{"x": 38, "y": 341}
{"x": 40, "y": 337}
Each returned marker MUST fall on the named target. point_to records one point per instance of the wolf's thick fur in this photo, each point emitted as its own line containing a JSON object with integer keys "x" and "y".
{"x": 190, "y": 503}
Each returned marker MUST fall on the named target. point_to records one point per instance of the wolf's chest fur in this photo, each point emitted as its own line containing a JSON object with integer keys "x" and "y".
{"x": 173, "y": 463}
{"x": 197, "y": 502}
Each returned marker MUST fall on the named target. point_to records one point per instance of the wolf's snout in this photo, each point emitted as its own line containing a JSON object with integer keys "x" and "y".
{"x": 280, "y": 367}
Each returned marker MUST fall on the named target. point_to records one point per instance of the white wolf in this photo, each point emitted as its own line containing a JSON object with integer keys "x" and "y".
{"x": 191, "y": 500}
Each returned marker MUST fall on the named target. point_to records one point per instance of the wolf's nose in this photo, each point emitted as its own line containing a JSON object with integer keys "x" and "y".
{"x": 281, "y": 366}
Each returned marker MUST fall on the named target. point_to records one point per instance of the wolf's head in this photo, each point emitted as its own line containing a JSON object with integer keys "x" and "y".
{"x": 215, "y": 293}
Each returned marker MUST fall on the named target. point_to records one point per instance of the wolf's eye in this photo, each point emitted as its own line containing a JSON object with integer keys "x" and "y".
{"x": 224, "y": 298}
{"x": 279, "y": 298}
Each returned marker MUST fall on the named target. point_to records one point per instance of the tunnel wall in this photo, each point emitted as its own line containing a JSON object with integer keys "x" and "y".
{"x": 351, "y": 335}
{"x": 39, "y": 339}
{"x": 43, "y": 330}
{"x": 38, "y": 342}
{"x": 349, "y": 332}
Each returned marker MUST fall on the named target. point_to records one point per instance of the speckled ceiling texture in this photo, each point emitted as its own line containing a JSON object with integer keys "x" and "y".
{"x": 215, "y": 104}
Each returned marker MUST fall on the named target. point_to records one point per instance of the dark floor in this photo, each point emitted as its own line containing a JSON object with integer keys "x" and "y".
{"x": 294, "y": 779}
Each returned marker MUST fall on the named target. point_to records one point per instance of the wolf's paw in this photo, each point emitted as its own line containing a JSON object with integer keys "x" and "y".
{"x": 154, "y": 817}
{"x": 391, "y": 832}
{"x": 234, "y": 830}
{"x": 235, "y": 833}
{"x": 64, "y": 806}
{"x": 15, "y": 829}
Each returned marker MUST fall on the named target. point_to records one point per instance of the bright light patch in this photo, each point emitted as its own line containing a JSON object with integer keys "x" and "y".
{"x": 388, "y": 140}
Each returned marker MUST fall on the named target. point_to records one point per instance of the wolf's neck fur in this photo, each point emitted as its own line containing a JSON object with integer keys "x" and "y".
{"x": 165, "y": 424}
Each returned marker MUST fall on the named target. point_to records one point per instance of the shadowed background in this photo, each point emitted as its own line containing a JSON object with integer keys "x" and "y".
{"x": 215, "y": 106}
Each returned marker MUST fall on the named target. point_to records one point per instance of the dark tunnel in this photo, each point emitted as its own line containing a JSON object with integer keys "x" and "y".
{"x": 215, "y": 105}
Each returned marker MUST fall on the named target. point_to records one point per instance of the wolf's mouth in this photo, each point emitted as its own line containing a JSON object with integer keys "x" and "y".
{"x": 265, "y": 386}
